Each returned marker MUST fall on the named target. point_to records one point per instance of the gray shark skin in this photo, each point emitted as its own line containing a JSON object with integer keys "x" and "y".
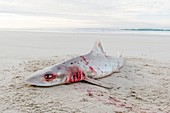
{"x": 90, "y": 67}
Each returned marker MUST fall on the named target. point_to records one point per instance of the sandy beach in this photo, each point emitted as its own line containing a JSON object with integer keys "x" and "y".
{"x": 142, "y": 86}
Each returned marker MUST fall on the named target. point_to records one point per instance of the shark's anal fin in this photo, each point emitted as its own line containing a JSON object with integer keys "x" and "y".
{"x": 98, "y": 83}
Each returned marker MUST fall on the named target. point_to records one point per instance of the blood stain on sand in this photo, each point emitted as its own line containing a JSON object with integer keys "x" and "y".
{"x": 90, "y": 94}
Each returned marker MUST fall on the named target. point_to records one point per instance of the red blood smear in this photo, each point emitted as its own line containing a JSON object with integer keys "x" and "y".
{"x": 114, "y": 99}
{"x": 92, "y": 70}
{"x": 74, "y": 74}
{"x": 84, "y": 59}
{"x": 121, "y": 105}
{"x": 90, "y": 94}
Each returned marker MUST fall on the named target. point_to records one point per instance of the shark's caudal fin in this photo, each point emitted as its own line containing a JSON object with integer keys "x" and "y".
{"x": 116, "y": 62}
{"x": 97, "y": 48}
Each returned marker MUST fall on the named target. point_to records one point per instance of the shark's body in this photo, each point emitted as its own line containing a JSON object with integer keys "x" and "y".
{"x": 89, "y": 67}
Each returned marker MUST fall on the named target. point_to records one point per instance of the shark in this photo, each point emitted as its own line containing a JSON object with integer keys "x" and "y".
{"x": 89, "y": 67}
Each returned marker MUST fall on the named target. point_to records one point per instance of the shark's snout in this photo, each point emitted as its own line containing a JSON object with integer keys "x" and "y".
{"x": 33, "y": 81}
{"x": 47, "y": 77}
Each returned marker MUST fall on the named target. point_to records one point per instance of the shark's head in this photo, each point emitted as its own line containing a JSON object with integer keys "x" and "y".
{"x": 50, "y": 76}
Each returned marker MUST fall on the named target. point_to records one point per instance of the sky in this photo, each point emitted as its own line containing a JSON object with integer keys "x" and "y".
{"x": 51, "y": 14}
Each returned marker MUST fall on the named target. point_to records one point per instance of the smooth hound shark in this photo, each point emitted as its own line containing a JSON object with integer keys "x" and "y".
{"x": 90, "y": 67}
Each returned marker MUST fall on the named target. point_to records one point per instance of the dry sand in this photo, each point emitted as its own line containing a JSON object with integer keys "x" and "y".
{"x": 143, "y": 85}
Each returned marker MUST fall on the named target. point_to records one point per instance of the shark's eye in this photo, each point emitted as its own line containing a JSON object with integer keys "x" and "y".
{"x": 49, "y": 77}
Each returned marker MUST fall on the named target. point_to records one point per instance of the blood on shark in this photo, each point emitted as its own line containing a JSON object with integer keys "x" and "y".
{"x": 89, "y": 67}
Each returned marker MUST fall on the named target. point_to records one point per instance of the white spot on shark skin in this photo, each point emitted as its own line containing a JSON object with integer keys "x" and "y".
{"x": 92, "y": 65}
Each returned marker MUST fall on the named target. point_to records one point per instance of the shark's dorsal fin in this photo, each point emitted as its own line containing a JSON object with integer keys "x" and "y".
{"x": 97, "y": 48}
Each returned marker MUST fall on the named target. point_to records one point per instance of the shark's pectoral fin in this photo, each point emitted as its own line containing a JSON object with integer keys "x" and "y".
{"x": 98, "y": 83}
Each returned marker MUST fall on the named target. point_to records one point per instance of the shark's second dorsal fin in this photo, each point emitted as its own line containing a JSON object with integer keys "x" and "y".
{"x": 97, "y": 48}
